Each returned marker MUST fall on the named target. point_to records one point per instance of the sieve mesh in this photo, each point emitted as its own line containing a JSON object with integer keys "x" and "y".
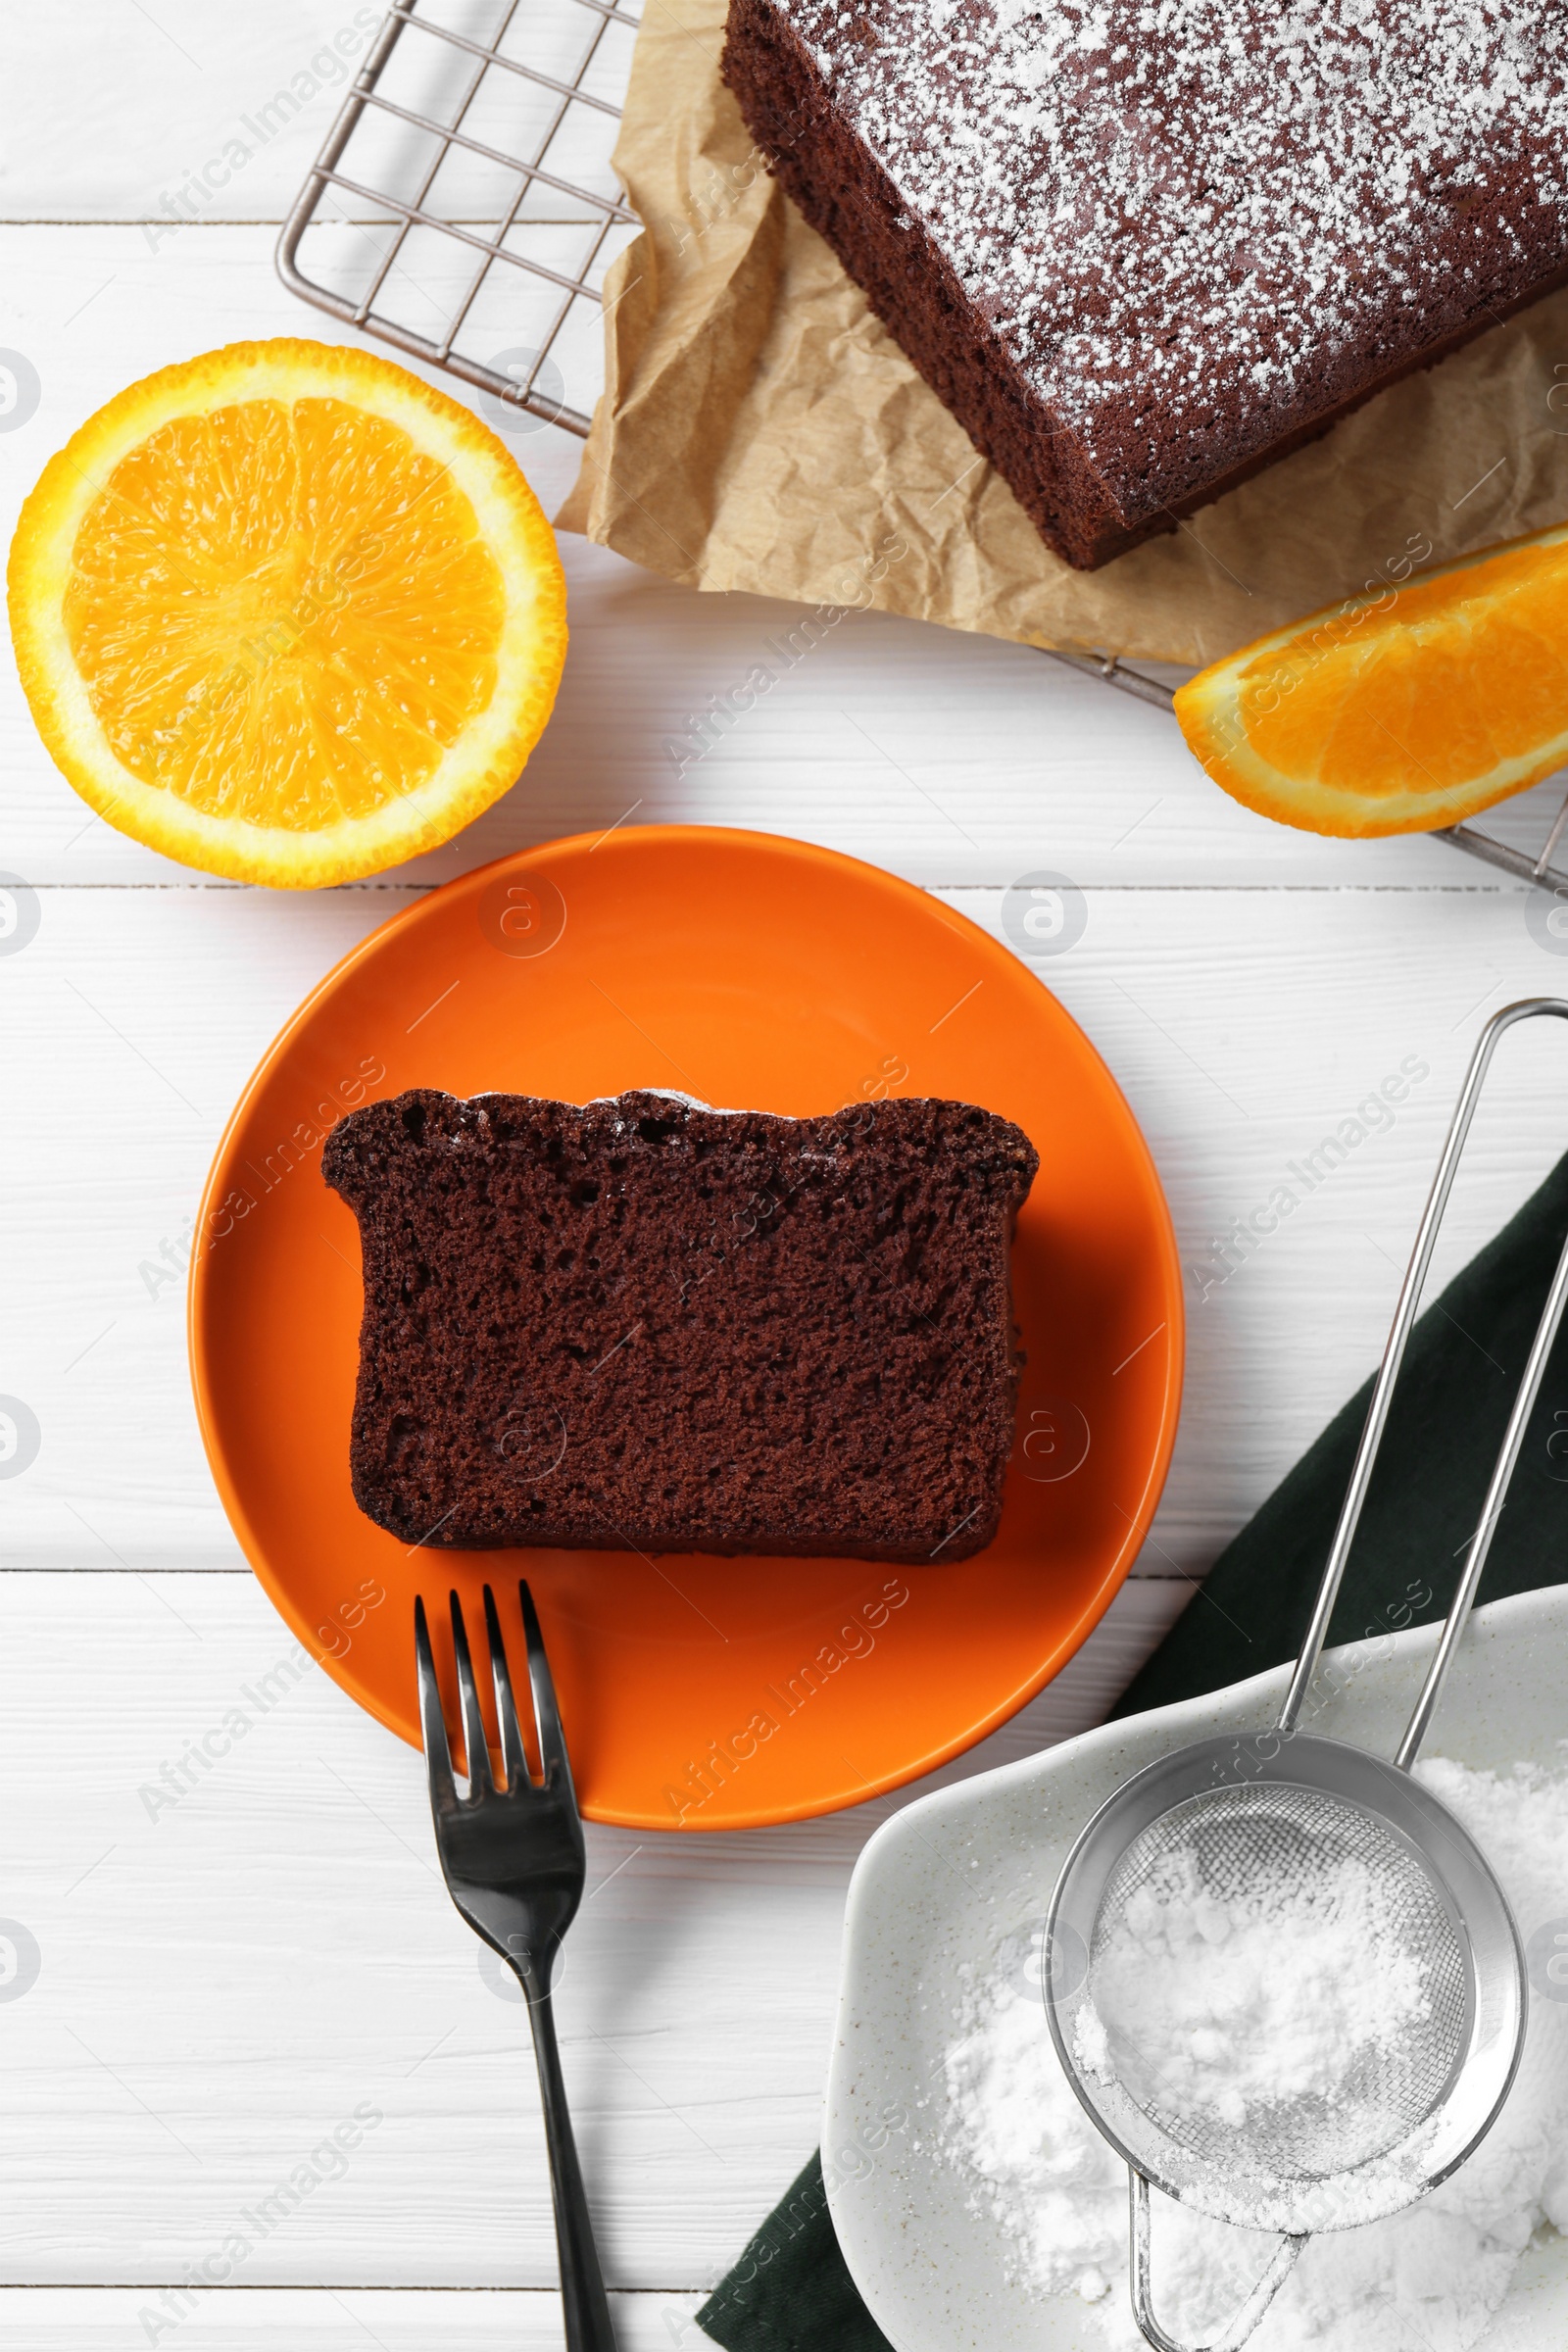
{"x": 1293, "y": 1840}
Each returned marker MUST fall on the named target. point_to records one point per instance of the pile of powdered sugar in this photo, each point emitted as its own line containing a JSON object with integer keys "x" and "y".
{"x": 1429, "y": 2277}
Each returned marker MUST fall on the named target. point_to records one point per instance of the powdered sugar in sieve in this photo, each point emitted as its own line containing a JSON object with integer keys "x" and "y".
{"x": 1277, "y": 1979}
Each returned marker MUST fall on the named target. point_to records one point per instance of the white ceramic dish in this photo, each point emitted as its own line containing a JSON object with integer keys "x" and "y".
{"x": 967, "y": 1873}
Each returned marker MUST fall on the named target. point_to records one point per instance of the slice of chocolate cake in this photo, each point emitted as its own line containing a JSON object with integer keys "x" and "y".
{"x": 1142, "y": 247}
{"x": 651, "y": 1325}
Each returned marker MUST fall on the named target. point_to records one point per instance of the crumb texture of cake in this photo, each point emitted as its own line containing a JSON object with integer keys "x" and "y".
{"x": 644, "y": 1324}
{"x": 1140, "y": 247}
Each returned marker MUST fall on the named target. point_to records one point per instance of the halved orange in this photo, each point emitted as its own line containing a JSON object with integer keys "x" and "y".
{"x": 1406, "y": 707}
{"x": 286, "y": 614}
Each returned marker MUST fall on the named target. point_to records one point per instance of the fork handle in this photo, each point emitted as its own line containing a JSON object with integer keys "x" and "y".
{"x": 585, "y": 2308}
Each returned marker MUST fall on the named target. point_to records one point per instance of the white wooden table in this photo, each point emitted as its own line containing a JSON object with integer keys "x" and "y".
{"x": 219, "y": 1983}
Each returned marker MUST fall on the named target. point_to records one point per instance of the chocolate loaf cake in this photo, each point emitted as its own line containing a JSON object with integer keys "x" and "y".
{"x": 646, "y": 1324}
{"x": 1142, "y": 247}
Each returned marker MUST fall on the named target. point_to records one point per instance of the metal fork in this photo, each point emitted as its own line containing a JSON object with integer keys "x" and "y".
{"x": 513, "y": 1861}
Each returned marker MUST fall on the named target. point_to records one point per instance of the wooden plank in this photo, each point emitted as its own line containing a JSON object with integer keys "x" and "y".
{"x": 201, "y": 84}
{"x": 950, "y": 758}
{"x": 230, "y": 1973}
{"x": 229, "y": 110}
{"x": 127, "y": 2319}
{"x": 1244, "y": 1027}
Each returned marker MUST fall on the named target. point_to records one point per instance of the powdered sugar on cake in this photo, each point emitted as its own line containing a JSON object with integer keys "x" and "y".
{"x": 1166, "y": 205}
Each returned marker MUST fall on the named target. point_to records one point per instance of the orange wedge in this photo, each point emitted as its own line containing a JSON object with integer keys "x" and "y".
{"x": 286, "y": 614}
{"x": 1404, "y": 709}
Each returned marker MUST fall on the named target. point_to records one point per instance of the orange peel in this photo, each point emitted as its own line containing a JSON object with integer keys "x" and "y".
{"x": 1403, "y": 710}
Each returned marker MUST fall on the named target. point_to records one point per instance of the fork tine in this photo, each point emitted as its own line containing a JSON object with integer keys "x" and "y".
{"x": 473, "y": 1738}
{"x": 511, "y": 1749}
{"x": 432, "y": 1721}
{"x": 547, "y": 1716}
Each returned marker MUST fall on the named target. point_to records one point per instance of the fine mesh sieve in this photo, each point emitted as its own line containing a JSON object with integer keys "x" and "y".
{"x": 1291, "y": 1837}
{"x": 1288, "y": 1829}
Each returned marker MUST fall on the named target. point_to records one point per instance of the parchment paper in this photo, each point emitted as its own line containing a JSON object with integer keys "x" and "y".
{"x": 762, "y": 430}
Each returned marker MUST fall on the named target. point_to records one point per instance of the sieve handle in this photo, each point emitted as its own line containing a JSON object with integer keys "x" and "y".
{"x": 1528, "y": 1009}
{"x": 1245, "y": 2322}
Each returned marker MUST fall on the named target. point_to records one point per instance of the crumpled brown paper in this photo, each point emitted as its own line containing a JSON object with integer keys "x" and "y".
{"x": 761, "y": 429}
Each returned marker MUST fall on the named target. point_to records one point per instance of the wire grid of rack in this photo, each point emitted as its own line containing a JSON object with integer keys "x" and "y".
{"x": 471, "y": 163}
{"x": 493, "y": 159}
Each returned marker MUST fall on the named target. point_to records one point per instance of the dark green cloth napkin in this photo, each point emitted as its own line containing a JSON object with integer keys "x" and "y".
{"x": 790, "y": 2292}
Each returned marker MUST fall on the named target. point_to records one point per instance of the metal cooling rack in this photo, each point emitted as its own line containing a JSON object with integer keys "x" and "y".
{"x": 516, "y": 199}
{"x": 1539, "y": 867}
{"x": 485, "y": 162}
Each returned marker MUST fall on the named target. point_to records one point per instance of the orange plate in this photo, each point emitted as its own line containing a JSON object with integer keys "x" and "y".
{"x": 699, "y": 1693}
